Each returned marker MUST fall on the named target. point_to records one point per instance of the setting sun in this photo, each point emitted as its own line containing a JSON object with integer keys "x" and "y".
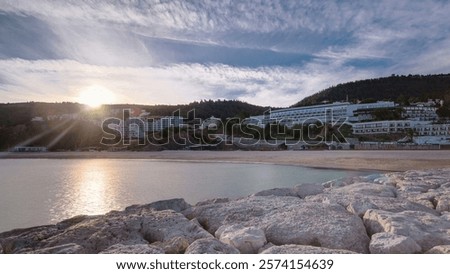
{"x": 95, "y": 96}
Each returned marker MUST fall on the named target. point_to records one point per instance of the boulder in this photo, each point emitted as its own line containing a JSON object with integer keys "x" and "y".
{"x": 425, "y": 229}
{"x": 426, "y": 187}
{"x": 165, "y": 225}
{"x": 73, "y": 221}
{"x": 176, "y": 205}
{"x": 388, "y": 243}
{"x": 95, "y": 234}
{"x": 176, "y": 245}
{"x": 62, "y": 249}
{"x": 288, "y": 220}
{"x": 133, "y": 249}
{"x": 440, "y": 249}
{"x": 360, "y": 206}
{"x": 364, "y": 189}
{"x": 277, "y": 192}
{"x": 436, "y": 197}
{"x": 266, "y": 246}
{"x": 210, "y": 246}
{"x": 301, "y": 191}
{"x": 1, "y": 249}
{"x": 358, "y": 203}
{"x": 303, "y": 249}
{"x": 213, "y": 201}
{"x": 353, "y": 180}
{"x": 329, "y": 226}
{"x": 305, "y": 190}
{"x": 248, "y": 240}
{"x": 26, "y": 239}
{"x": 427, "y": 199}
{"x": 418, "y": 180}
{"x": 443, "y": 202}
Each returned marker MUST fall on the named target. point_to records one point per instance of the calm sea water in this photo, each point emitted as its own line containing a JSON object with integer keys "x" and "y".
{"x": 42, "y": 191}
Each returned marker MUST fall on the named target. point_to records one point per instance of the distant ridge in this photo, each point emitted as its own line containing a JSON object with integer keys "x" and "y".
{"x": 204, "y": 109}
{"x": 12, "y": 114}
{"x": 395, "y": 88}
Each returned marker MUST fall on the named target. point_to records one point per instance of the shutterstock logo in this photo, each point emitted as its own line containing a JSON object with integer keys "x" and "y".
{"x": 248, "y": 132}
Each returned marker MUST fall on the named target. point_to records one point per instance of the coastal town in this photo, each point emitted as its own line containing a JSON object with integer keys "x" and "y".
{"x": 360, "y": 125}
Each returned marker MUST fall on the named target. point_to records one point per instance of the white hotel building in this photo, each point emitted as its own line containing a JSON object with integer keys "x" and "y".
{"x": 138, "y": 127}
{"x": 419, "y": 120}
{"x": 424, "y": 132}
{"x": 329, "y": 113}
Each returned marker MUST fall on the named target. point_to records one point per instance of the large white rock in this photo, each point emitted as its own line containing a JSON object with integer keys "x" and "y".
{"x": 430, "y": 188}
{"x": 277, "y": 192}
{"x": 305, "y": 190}
{"x": 303, "y": 249}
{"x": 26, "y": 240}
{"x": 358, "y": 204}
{"x": 424, "y": 228}
{"x": 213, "y": 201}
{"x": 424, "y": 198}
{"x": 138, "y": 225}
{"x": 418, "y": 180}
{"x": 365, "y": 189}
{"x": 288, "y": 220}
{"x": 300, "y": 191}
{"x": 177, "y": 205}
{"x": 176, "y": 245}
{"x": 440, "y": 249}
{"x": 388, "y": 243}
{"x": 247, "y": 240}
{"x": 62, "y": 249}
{"x": 133, "y": 249}
{"x": 210, "y": 246}
{"x": 443, "y": 202}
{"x": 358, "y": 198}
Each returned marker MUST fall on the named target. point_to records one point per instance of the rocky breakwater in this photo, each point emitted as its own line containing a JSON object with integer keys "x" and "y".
{"x": 393, "y": 213}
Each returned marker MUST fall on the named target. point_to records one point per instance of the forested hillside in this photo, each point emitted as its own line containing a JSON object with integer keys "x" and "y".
{"x": 402, "y": 89}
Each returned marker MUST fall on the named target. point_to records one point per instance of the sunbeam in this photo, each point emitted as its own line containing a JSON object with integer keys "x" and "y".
{"x": 61, "y": 135}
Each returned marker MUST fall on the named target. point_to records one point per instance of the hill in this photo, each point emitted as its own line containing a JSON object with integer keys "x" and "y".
{"x": 17, "y": 127}
{"x": 204, "y": 109}
{"x": 402, "y": 89}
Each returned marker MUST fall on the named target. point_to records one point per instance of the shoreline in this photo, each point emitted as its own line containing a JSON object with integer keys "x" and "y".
{"x": 381, "y": 161}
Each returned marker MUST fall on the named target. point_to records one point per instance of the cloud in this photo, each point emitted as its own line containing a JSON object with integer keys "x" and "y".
{"x": 356, "y": 30}
{"x": 230, "y": 23}
{"x": 288, "y": 26}
{"x": 252, "y": 16}
{"x": 63, "y": 80}
{"x": 270, "y": 52}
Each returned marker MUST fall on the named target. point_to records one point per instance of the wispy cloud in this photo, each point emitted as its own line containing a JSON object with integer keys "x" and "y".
{"x": 180, "y": 83}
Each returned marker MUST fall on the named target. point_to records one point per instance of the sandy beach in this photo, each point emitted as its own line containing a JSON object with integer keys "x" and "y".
{"x": 356, "y": 160}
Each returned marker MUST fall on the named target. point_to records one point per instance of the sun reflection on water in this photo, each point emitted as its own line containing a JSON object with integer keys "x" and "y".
{"x": 91, "y": 188}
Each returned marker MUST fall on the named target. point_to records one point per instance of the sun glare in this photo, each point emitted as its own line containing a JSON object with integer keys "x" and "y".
{"x": 95, "y": 96}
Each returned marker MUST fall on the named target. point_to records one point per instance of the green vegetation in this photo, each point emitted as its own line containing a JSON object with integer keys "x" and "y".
{"x": 16, "y": 124}
{"x": 444, "y": 111}
{"x": 382, "y": 114}
{"x": 69, "y": 135}
{"x": 22, "y": 113}
{"x": 221, "y": 109}
{"x": 401, "y": 89}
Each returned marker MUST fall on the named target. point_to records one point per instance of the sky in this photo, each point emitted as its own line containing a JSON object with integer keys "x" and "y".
{"x": 270, "y": 53}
